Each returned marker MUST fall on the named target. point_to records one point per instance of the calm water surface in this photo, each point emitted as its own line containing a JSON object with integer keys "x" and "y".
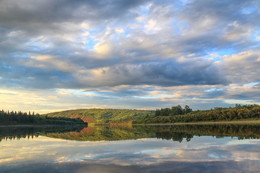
{"x": 190, "y": 148}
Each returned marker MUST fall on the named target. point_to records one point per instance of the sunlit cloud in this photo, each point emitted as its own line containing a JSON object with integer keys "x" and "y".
{"x": 202, "y": 53}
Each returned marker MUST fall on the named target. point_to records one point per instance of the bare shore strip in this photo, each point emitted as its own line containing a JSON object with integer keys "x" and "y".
{"x": 36, "y": 125}
{"x": 223, "y": 122}
{"x": 213, "y": 122}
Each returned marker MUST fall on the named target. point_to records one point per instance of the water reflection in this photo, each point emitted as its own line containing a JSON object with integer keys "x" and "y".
{"x": 106, "y": 149}
{"x": 169, "y": 132}
{"x": 108, "y": 133}
{"x": 18, "y": 132}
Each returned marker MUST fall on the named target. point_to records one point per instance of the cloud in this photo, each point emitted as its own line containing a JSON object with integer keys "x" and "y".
{"x": 63, "y": 10}
{"x": 94, "y": 45}
{"x": 242, "y": 67}
{"x": 102, "y": 49}
{"x": 165, "y": 74}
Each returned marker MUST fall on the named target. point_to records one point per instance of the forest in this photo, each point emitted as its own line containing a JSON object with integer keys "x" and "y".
{"x": 179, "y": 114}
{"x": 13, "y": 118}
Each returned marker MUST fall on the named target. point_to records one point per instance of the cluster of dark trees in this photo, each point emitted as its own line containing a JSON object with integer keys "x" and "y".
{"x": 10, "y": 118}
{"x": 175, "y": 110}
{"x": 218, "y": 114}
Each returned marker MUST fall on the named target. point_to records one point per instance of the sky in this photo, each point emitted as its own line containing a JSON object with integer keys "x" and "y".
{"x": 133, "y": 54}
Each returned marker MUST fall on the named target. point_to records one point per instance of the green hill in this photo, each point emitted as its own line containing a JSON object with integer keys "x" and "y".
{"x": 102, "y": 115}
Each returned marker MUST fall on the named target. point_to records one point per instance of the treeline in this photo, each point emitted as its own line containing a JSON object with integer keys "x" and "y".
{"x": 16, "y": 133}
{"x": 167, "y": 115}
{"x": 175, "y": 110}
{"x": 12, "y": 118}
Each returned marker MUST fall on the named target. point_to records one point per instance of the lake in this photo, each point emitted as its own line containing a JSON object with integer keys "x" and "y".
{"x": 126, "y": 149}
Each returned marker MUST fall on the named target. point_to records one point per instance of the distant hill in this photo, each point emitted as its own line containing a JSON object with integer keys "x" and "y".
{"x": 102, "y": 115}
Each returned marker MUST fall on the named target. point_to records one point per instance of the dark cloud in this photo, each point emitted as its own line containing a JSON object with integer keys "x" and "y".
{"x": 162, "y": 74}
{"x": 158, "y": 43}
{"x": 167, "y": 73}
{"x": 62, "y": 10}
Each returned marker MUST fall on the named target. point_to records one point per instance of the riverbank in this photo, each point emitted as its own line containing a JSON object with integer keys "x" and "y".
{"x": 41, "y": 125}
{"x": 212, "y": 122}
{"x": 224, "y": 122}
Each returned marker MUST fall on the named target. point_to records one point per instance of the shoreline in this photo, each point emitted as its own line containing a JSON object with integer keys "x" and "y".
{"x": 177, "y": 123}
{"x": 36, "y": 125}
{"x": 217, "y": 122}
{"x": 224, "y": 122}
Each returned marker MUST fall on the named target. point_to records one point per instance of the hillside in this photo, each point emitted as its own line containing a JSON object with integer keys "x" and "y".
{"x": 177, "y": 114}
{"x": 102, "y": 115}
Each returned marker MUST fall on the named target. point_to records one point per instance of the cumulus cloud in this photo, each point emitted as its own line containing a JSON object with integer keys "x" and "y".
{"x": 88, "y": 45}
{"x": 164, "y": 74}
{"x": 242, "y": 67}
